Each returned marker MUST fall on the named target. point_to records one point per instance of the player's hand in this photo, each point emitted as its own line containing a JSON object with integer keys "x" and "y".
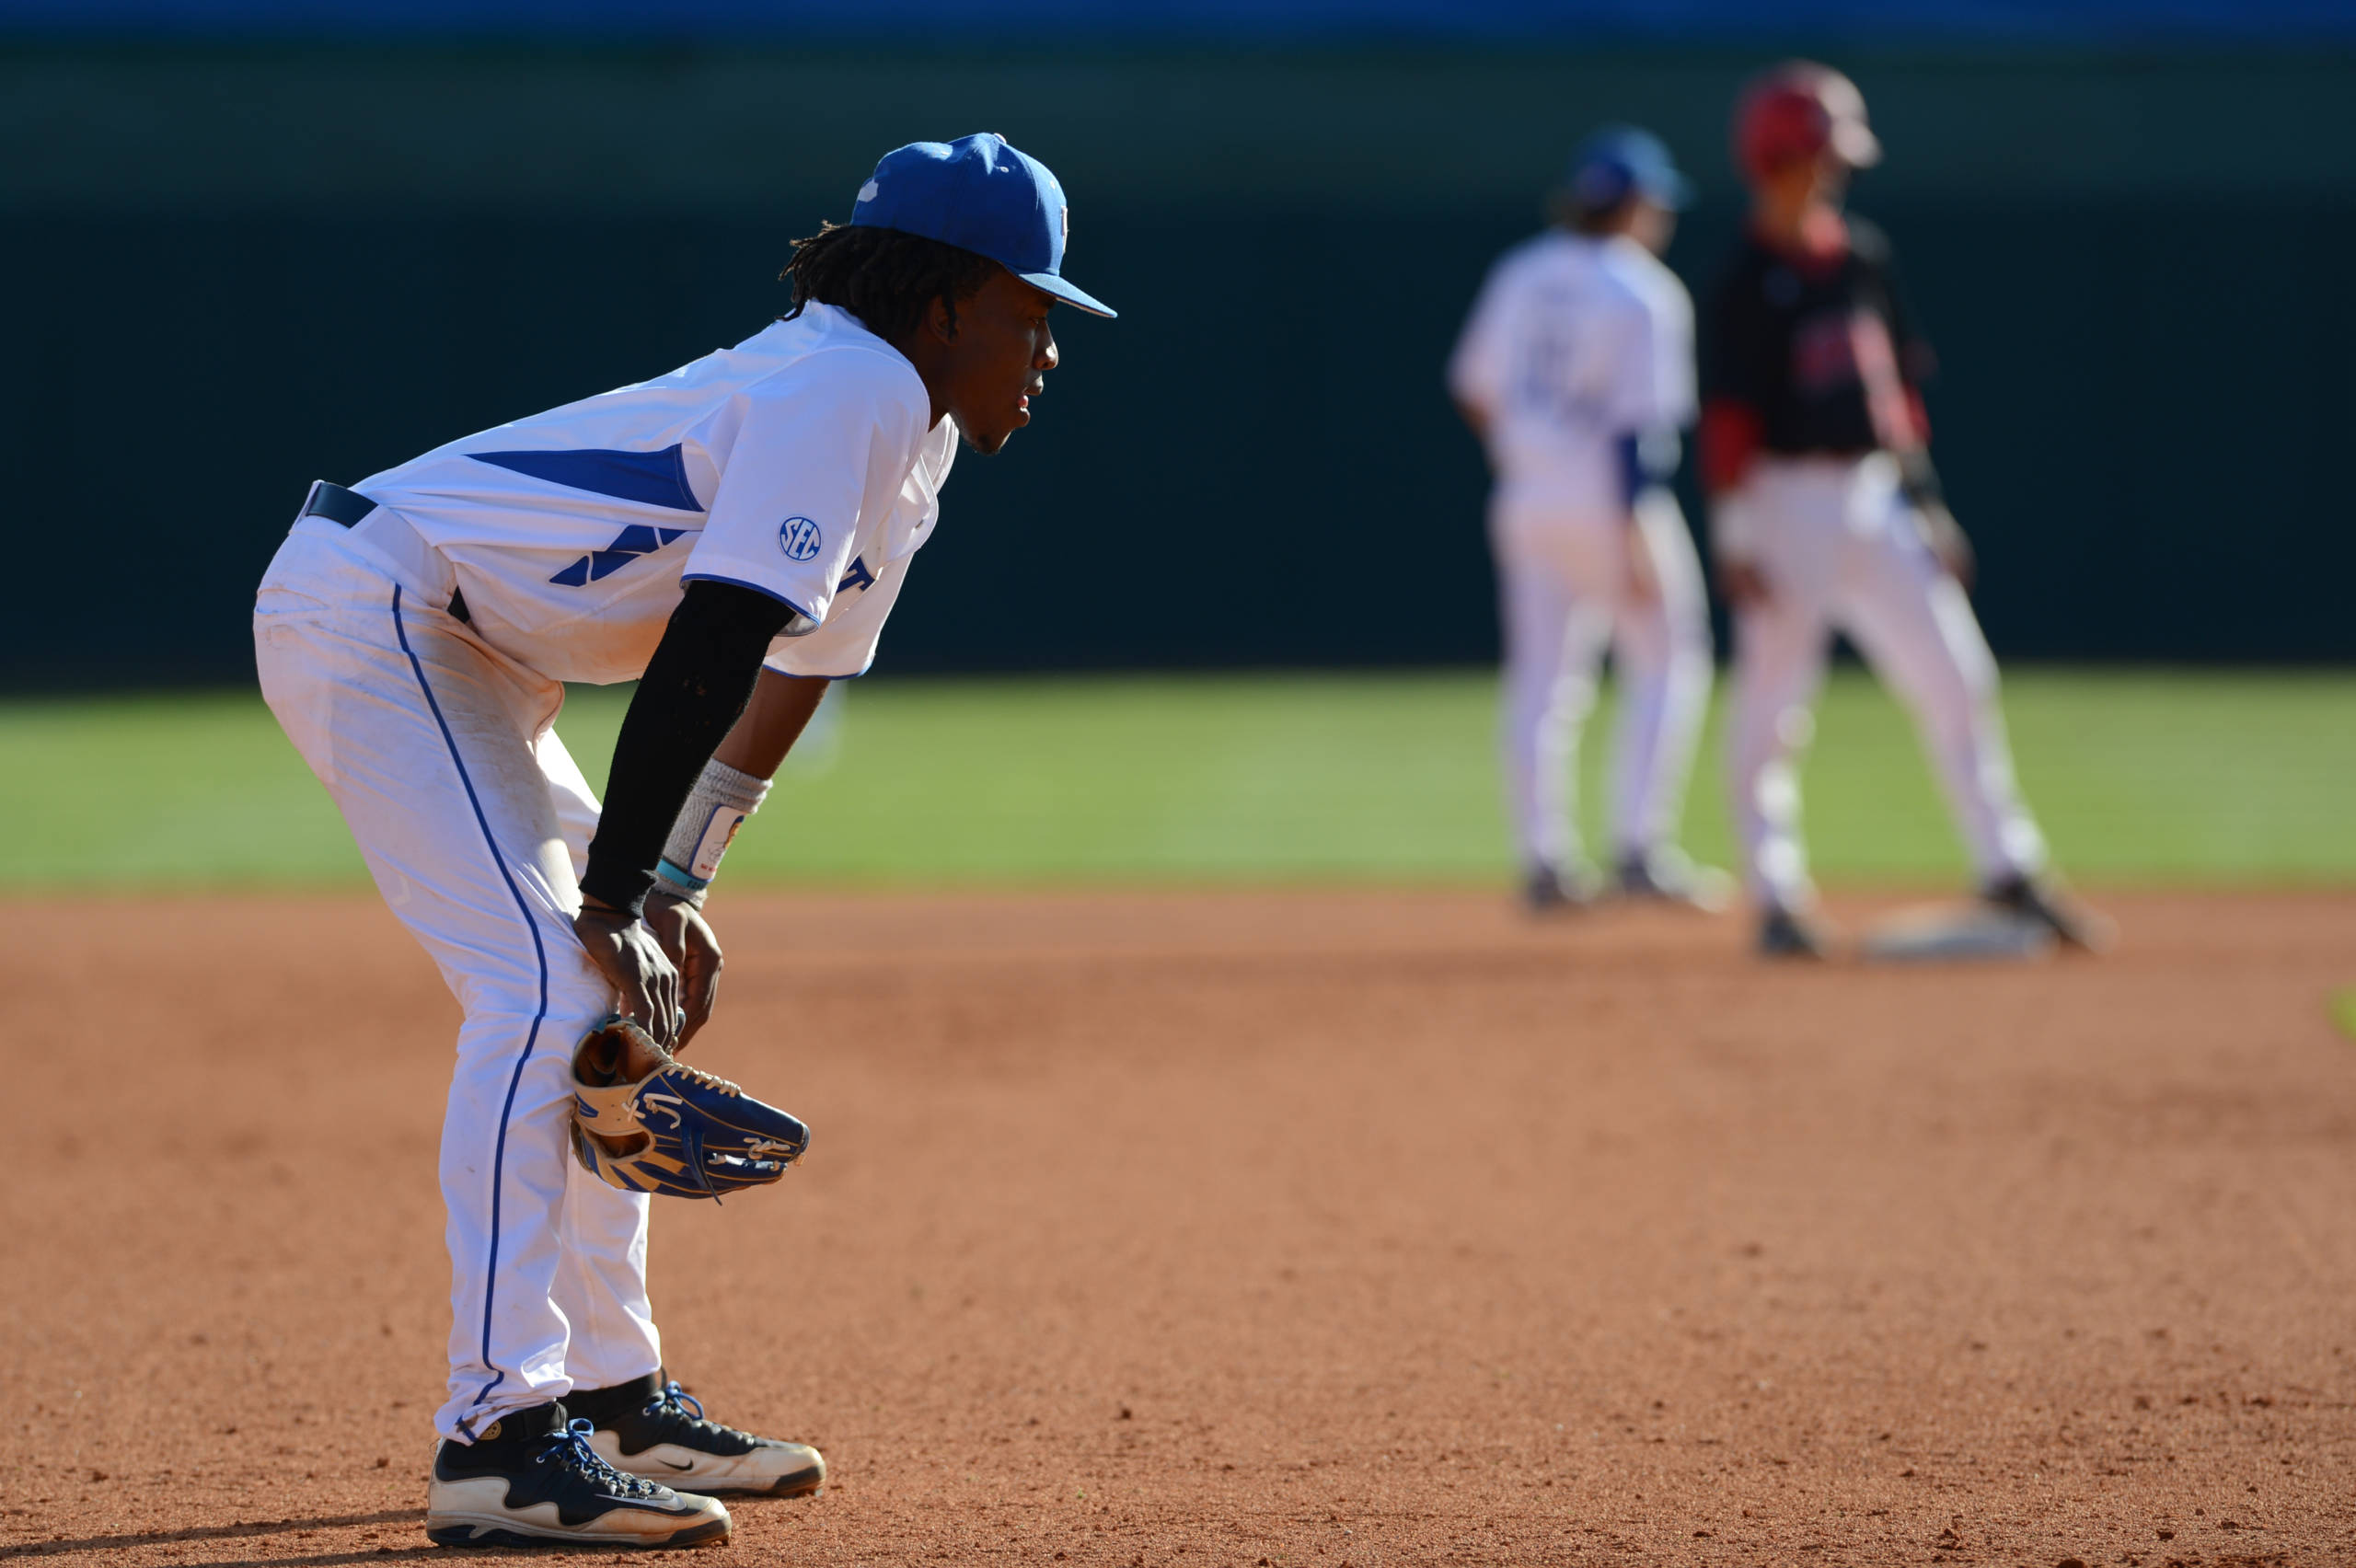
{"x": 1742, "y": 583}
{"x": 646, "y": 985}
{"x": 1949, "y": 542}
{"x": 688, "y": 941}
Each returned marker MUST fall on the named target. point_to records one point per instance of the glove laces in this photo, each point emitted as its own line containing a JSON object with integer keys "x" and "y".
{"x": 709, "y": 1080}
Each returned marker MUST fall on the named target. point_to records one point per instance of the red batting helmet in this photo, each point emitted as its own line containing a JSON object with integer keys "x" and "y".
{"x": 1797, "y": 110}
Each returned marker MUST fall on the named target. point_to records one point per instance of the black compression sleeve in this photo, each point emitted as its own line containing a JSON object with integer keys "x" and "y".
{"x": 694, "y": 691}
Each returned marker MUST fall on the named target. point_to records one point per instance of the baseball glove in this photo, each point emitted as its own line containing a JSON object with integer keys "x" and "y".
{"x": 645, "y": 1121}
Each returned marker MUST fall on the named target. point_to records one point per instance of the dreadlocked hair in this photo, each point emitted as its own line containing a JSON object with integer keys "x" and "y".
{"x": 885, "y": 277}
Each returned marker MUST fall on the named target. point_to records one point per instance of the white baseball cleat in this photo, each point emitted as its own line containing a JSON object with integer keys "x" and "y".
{"x": 1550, "y": 890}
{"x": 1666, "y": 875}
{"x": 532, "y": 1478}
{"x": 1787, "y": 934}
{"x": 655, "y": 1429}
{"x": 2041, "y": 902}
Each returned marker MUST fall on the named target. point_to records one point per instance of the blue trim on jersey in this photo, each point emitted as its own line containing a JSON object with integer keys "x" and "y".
{"x": 688, "y": 577}
{"x": 540, "y": 952}
{"x": 1628, "y": 451}
{"x": 650, "y": 478}
{"x": 634, "y": 541}
{"x": 1646, "y": 458}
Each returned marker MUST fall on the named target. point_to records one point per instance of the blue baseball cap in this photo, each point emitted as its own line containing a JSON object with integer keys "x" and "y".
{"x": 1620, "y": 161}
{"x": 979, "y": 194}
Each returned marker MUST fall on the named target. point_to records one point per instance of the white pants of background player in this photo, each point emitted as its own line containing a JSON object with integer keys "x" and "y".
{"x": 1841, "y": 550}
{"x": 476, "y": 824}
{"x": 1569, "y": 579}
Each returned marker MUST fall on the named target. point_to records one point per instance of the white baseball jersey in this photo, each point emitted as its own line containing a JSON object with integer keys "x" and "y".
{"x": 1574, "y": 342}
{"x": 803, "y": 463}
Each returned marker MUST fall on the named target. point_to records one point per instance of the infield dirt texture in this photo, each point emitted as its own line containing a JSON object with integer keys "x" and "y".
{"x": 1227, "y": 1228}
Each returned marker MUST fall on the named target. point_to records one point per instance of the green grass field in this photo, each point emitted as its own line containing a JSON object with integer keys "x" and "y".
{"x": 2140, "y": 778}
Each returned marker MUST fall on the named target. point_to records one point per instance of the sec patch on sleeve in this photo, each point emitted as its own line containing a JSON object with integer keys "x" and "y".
{"x": 799, "y": 538}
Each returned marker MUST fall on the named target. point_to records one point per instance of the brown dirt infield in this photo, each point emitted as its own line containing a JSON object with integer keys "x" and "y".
{"x": 1296, "y": 1228}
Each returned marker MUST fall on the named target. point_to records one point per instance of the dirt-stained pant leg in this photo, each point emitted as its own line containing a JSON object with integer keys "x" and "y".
{"x": 1780, "y": 645}
{"x": 1779, "y": 649}
{"x": 601, "y": 1283}
{"x": 429, "y": 744}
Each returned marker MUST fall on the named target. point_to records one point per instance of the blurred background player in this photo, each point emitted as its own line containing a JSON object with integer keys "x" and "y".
{"x": 1576, "y": 370}
{"x": 1826, "y": 514}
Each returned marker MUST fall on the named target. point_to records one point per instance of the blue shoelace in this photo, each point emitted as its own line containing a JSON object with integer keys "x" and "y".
{"x": 570, "y": 1449}
{"x": 672, "y": 1398}
{"x": 676, "y": 1402}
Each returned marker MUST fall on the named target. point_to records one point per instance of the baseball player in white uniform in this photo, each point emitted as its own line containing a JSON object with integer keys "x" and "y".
{"x": 1577, "y": 371}
{"x": 732, "y": 534}
{"x": 1826, "y": 515}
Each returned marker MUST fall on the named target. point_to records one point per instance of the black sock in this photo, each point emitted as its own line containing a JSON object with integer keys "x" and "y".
{"x": 603, "y": 1407}
{"x": 518, "y": 1431}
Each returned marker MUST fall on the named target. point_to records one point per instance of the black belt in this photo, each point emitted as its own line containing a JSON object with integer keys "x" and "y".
{"x": 348, "y": 507}
{"x": 338, "y": 504}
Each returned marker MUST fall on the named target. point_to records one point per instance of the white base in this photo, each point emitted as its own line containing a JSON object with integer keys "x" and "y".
{"x": 1948, "y": 934}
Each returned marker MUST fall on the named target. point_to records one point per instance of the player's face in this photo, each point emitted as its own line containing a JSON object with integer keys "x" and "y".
{"x": 1804, "y": 183}
{"x": 1000, "y": 360}
{"x": 1652, "y": 226}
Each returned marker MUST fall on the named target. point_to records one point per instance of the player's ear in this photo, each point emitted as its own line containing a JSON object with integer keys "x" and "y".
{"x": 940, "y": 321}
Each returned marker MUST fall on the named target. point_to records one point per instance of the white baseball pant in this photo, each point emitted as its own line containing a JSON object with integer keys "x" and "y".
{"x": 1842, "y": 550}
{"x": 475, "y": 823}
{"x": 1572, "y": 580}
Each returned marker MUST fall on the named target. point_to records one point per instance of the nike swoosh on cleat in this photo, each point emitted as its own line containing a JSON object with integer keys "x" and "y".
{"x": 675, "y": 1464}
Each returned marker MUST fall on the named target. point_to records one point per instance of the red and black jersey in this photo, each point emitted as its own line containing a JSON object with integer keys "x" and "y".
{"x": 1810, "y": 355}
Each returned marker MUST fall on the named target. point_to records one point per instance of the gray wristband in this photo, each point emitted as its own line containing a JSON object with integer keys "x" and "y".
{"x": 716, "y": 808}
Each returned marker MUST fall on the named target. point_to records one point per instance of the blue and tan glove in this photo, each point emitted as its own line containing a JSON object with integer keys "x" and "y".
{"x": 645, "y": 1121}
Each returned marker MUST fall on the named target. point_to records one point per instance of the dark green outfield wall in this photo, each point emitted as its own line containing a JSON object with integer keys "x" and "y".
{"x": 233, "y": 271}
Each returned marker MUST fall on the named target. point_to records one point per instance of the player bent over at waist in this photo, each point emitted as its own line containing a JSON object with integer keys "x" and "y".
{"x": 733, "y": 535}
{"x": 1577, "y": 371}
{"x": 1826, "y": 515}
